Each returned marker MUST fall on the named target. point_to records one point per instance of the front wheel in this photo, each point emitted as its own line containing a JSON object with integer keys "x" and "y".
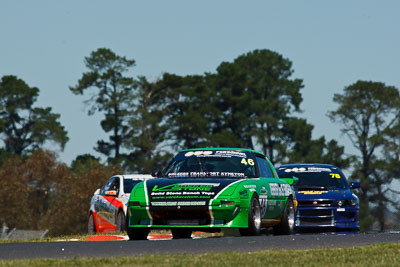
{"x": 181, "y": 233}
{"x": 286, "y": 226}
{"x": 254, "y": 218}
{"x": 121, "y": 221}
{"x": 91, "y": 224}
{"x": 137, "y": 233}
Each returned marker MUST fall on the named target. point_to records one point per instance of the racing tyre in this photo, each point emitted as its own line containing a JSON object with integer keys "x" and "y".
{"x": 91, "y": 225}
{"x": 181, "y": 233}
{"x": 286, "y": 226}
{"x": 137, "y": 233}
{"x": 121, "y": 221}
{"x": 254, "y": 227}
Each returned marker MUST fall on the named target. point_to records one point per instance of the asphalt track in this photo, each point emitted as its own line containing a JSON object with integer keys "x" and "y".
{"x": 189, "y": 246}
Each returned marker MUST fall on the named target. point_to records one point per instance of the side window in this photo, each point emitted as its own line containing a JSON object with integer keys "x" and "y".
{"x": 111, "y": 184}
{"x": 265, "y": 170}
{"x": 129, "y": 184}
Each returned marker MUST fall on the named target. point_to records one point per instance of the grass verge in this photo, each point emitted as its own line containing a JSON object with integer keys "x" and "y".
{"x": 376, "y": 255}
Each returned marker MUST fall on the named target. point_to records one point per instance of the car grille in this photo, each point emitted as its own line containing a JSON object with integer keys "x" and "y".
{"x": 348, "y": 215}
{"x": 315, "y": 212}
{"x": 184, "y": 216}
{"x": 316, "y": 222}
{"x": 315, "y": 217}
{"x": 315, "y": 203}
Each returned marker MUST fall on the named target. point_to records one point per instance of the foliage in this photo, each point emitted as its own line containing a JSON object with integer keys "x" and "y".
{"x": 69, "y": 211}
{"x": 256, "y": 97}
{"x": 23, "y": 127}
{"x": 44, "y": 194}
{"x": 147, "y": 129}
{"x": 368, "y": 112}
{"x": 248, "y": 103}
{"x": 84, "y": 162}
{"x": 30, "y": 187}
{"x": 113, "y": 94}
{"x": 300, "y": 147}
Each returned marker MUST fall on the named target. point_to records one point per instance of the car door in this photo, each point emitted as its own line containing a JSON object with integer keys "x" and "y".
{"x": 105, "y": 207}
{"x": 273, "y": 197}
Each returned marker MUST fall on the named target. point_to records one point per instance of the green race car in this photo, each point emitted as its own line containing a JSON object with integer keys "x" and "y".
{"x": 208, "y": 189}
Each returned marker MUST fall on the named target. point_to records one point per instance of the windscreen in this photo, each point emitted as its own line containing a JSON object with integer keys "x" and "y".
{"x": 210, "y": 163}
{"x": 129, "y": 184}
{"x": 315, "y": 177}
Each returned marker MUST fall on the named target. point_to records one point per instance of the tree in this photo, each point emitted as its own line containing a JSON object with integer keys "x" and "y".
{"x": 148, "y": 131}
{"x": 368, "y": 111}
{"x": 256, "y": 97}
{"x": 84, "y": 162}
{"x": 248, "y": 103}
{"x": 192, "y": 115}
{"x": 30, "y": 185}
{"x": 113, "y": 93}
{"x": 23, "y": 127}
{"x": 68, "y": 213}
{"x": 300, "y": 147}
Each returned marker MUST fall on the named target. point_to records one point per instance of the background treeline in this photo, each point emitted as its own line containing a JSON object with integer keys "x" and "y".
{"x": 252, "y": 102}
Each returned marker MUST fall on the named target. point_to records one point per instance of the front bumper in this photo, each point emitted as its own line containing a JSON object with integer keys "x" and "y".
{"x": 218, "y": 216}
{"x": 345, "y": 218}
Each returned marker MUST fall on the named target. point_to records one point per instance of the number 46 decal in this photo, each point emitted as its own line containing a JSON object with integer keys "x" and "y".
{"x": 335, "y": 175}
{"x": 249, "y": 161}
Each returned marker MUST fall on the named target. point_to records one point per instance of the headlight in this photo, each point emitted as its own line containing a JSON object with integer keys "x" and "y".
{"x": 347, "y": 202}
{"x": 353, "y": 202}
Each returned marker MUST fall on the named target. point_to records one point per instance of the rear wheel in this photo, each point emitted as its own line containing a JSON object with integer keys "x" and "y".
{"x": 254, "y": 227}
{"x": 181, "y": 233}
{"x": 121, "y": 221}
{"x": 91, "y": 225}
{"x": 286, "y": 226}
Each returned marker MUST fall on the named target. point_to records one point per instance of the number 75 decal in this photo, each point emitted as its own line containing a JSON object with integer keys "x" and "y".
{"x": 335, "y": 175}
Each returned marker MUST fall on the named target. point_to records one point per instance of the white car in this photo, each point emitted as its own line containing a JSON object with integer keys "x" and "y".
{"x": 109, "y": 203}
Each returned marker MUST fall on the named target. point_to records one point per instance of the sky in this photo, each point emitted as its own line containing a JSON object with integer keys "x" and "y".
{"x": 331, "y": 44}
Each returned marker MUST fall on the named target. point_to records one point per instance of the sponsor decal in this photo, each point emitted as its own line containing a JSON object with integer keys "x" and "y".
{"x": 224, "y": 153}
{"x": 263, "y": 198}
{"x": 198, "y": 153}
{"x": 309, "y": 169}
{"x": 229, "y": 153}
{"x": 178, "y": 203}
{"x": 186, "y": 187}
{"x": 280, "y": 189}
{"x": 312, "y": 192}
{"x": 205, "y": 174}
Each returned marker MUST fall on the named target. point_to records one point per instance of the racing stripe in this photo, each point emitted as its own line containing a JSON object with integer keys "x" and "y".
{"x": 114, "y": 201}
{"x": 210, "y": 204}
{"x": 147, "y": 203}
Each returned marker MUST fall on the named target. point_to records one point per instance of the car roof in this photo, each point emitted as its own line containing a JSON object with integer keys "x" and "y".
{"x": 307, "y": 165}
{"x": 224, "y": 148}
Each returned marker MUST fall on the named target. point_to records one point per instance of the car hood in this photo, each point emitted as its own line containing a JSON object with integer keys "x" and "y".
{"x": 167, "y": 191}
{"x": 328, "y": 194}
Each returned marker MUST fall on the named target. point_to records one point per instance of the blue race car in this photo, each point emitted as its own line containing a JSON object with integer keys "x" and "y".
{"x": 325, "y": 199}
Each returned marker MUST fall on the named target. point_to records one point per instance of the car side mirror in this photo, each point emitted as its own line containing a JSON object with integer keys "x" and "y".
{"x": 111, "y": 193}
{"x": 155, "y": 173}
{"x": 355, "y": 185}
{"x": 291, "y": 181}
